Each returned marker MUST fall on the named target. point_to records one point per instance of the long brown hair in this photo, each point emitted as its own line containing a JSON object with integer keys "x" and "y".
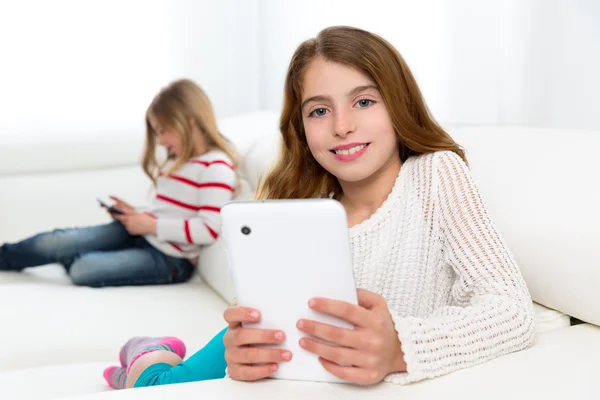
{"x": 297, "y": 174}
{"x": 178, "y": 106}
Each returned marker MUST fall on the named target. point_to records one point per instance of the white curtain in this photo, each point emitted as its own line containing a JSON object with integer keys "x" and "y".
{"x": 498, "y": 62}
{"x": 77, "y": 68}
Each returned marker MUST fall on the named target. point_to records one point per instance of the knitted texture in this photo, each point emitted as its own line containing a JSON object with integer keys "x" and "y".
{"x": 454, "y": 291}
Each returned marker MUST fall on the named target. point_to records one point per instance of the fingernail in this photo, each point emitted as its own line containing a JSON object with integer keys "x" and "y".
{"x": 286, "y": 355}
{"x": 302, "y": 342}
{"x": 312, "y": 302}
{"x": 279, "y": 336}
{"x": 254, "y": 314}
{"x": 300, "y": 324}
{"x": 274, "y": 367}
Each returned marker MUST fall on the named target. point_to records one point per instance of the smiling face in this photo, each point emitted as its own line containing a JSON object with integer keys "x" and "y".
{"x": 347, "y": 126}
{"x": 167, "y": 138}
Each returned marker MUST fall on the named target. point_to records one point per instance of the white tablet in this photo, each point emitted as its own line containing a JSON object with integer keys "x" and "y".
{"x": 281, "y": 254}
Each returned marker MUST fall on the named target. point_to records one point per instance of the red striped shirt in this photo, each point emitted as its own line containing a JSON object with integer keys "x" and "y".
{"x": 188, "y": 234}
{"x": 201, "y": 185}
{"x": 212, "y": 232}
{"x": 174, "y": 245}
{"x": 188, "y": 206}
{"x": 209, "y": 163}
{"x": 188, "y": 202}
{"x": 177, "y": 247}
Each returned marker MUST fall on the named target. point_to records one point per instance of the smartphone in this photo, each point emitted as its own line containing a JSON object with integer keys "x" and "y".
{"x": 110, "y": 209}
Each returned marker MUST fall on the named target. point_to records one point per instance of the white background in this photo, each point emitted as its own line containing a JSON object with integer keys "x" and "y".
{"x": 499, "y": 62}
{"x": 81, "y": 68}
{"x": 71, "y": 67}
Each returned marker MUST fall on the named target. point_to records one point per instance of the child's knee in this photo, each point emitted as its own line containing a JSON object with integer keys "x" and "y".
{"x": 83, "y": 273}
{"x": 53, "y": 243}
{"x": 155, "y": 375}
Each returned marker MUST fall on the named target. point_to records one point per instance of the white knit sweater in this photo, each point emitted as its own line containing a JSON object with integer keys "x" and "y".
{"x": 455, "y": 293}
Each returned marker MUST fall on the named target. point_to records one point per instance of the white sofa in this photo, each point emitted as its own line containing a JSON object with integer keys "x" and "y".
{"x": 56, "y": 339}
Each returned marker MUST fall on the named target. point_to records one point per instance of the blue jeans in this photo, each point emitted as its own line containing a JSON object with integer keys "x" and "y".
{"x": 97, "y": 256}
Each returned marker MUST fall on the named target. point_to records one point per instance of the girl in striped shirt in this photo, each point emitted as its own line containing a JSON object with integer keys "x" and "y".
{"x": 158, "y": 244}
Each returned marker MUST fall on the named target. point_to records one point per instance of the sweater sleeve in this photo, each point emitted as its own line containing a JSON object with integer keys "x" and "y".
{"x": 216, "y": 186}
{"x": 491, "y": 312}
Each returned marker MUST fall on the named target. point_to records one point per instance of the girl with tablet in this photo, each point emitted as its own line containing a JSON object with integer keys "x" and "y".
{"x": 438, "y": 288}
{"x": 160, "y": 244}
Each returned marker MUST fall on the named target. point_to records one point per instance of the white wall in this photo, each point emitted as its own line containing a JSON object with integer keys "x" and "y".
{"x": 77, "y": 68}
{"x": 414, "y": 27}
{"x": 553, "y": 68}
{"x": 509, "y": 62}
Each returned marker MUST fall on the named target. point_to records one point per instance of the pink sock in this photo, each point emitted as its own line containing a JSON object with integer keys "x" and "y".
{"x": 138, "y": 346}
{"x": 116, "y": 377}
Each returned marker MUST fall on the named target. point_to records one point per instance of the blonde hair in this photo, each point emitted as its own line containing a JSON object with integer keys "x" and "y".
{"x": 297, "y": 174}
{"x": 178, "y": 106}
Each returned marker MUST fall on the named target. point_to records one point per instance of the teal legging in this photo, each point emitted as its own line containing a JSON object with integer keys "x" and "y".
{"x": 207, "y": 363}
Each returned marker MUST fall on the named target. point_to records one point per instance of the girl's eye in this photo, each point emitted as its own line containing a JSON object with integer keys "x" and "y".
{"x": 364, "y": 103}
{"x": 318, "y": 112}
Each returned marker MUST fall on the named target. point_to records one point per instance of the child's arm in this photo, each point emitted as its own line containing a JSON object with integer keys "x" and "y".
{"x": 492, "y": 312}
{"x": 215, "y": 186}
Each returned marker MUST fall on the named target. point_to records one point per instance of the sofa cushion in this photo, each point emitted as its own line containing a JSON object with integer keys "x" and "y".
{"x": 243, "y": 130}
{"x": 51, "y": 322}
{"x": 213, "y": 268}
{"x": 53, "y": 382}
{"x": 260, "y": 157}
{"x": 547, "y": 319}
{"x": 57, "y": 151}
{"x": 562, "y": 364}
{"x": 541, "y": 192}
